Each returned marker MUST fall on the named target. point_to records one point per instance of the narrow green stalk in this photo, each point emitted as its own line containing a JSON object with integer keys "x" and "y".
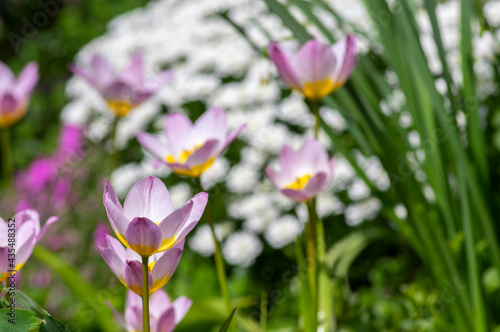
{"x": 315, "y": 110}
{"x": 311, "y": 261}
{"x": 145, "y": 294}
{"x": 6, "y": 157}
{"x": 219, "y": 261}
{"x": 263, "y": 311}
{"x": 480, "y": 324}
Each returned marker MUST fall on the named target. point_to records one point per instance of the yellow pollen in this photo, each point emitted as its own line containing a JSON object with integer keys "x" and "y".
{"x": 120, "y": 108}
{"x": 319, "y": 89}
{"x": 299, "y": 183}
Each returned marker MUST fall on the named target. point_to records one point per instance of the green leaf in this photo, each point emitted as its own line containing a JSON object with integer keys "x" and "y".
{"x": 25, "y": 321}
{"x": 52, "y": 325}
{"x": 340, "y": 257}
{"x": 288, "y": 20}
{"x": 228, "y": 321}
{"x": 78, "y": 286}
{"x": 26, "y": 302}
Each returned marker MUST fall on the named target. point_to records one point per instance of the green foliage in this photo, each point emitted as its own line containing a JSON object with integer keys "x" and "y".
{"x": 25, "y": 321}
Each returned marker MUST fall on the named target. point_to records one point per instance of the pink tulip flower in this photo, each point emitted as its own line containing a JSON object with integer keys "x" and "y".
{"x": 123, "y": 92}
{"x": 127, "y": 264}
{"x": 192, "y": 148}
{"x": 316, "y": 69}
{"x": 303, "y": 174}
{"x": 15, "y": 94}
{"x": 27, "y": 233}
{"x": 148, "y": 223}
{"x": 164, "y": 315}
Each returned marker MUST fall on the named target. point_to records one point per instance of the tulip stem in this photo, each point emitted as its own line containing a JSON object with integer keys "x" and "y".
{"x": 219, "y": 261}
{"x": 315, "y": 110}
{"x": 145, "y": 294}
{"x": 6, "y": 157}
{"x": 311, "y": 258}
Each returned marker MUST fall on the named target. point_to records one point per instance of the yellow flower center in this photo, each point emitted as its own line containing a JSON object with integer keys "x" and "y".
{"x": 194, "y": 171}
{"x": 299, "y": 183}
{"x": 121, "y": 108}
{"x": 6, "y": 275}
{"x": 319, "y": 89}
{"x": 9, "y": 119}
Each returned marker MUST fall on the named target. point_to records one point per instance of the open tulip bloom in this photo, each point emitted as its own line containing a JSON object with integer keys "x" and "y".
{"x": 303, "y": 174}
{"x": 191, "y": 148}
{"x": 163, "y": 316}
{"x": 27, "y": 233}
{"x": 122, "y": 92}
{"x": 316, "y": 69}
{"x": 15, "y": 93}
{"x": 127, "y": 264}
{"x": 147, "y": 223}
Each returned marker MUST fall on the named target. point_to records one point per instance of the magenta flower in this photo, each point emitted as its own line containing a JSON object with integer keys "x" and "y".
{"x": 303, "y": 173}
{"x": 126, "y": 91}
{"x": 15, "y": 94}
{"x": 127, "y": 266}
{"x": 192, "y": 148}
{"x": 316, "y": 69}
{"x": 27, "y": 233}
{"x": 164, "y": 315}
{"x": 148, "y": 223}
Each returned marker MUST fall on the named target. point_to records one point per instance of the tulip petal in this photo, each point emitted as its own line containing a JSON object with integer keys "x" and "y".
{"x": 114, "y": 254}
{"x": 117, "y": 219}
{"x": 200, "y": 202}
{"x": 77, "y": 70}
{"x": 158, "y": 302}
{"x": 178, "y": 129}
{"x": 143, "y": 236}
{"x": 281, "y": 59}
{"x": 211, "y": 125}
{"x": 314, "y": 62}
{"x": 181, "y": 306}
{"x": 119, "y": 317}
{"x": 296, "y": 195}
{"x": 103, "y": 74}
{"x": 133, "y": 74}
{"x": 313, "y": 158}
{"x": 148, "y": 198}
{"x": 4, "y": 262}
{"x": 24, "y": 250}
{"x": 9, "y": 103}
{"x": 232, "y": 136}
{"x": 118, "y": 91}
{"x": 153, "y": 145}
{"x": 316, "y": 184}
{"x": 346, "y": 51}
{"x": 3, "y": 233}
{"x": 27, "y": 80}
{"x": 133, "y": 311}
{"x": 108, "y": 189}
{"x": 173, "y": 223}
{"x": 203, "y": 154}
{"x": 45, "y": 227}
{"x": 165, "y": 268}
{"x": 277, "y": 178}
{"x": 133, "y": 277}
{"x": 167, "y": 321}
{"x": 6, "y": 76}
{"x": 289, "y": 161}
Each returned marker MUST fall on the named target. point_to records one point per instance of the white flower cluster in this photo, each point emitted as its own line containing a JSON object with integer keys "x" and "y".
{"x": 214, "y": 64}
